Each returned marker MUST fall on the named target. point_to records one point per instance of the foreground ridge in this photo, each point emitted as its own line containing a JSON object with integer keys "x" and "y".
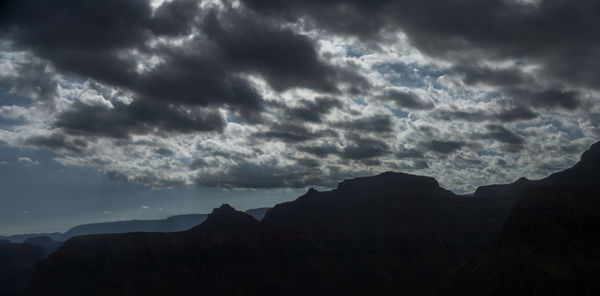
{"x": 389, "y": 234}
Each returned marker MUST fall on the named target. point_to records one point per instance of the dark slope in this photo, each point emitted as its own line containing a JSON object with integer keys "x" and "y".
{"x": 17, "y": 262}
{"x": 48, "y": 244}
{"x": 585, "y": 175}
{"x": 550, "y": 243}
{"x": 140, "y": 263}
{"x": 376, "y": 235}
{"x": 506, "y": 192}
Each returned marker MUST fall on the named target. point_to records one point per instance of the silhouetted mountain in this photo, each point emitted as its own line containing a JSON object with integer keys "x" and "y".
{"x": 383, "y": 201}
{"x": 549, "y": 244}
{"x": 226, "y": 219}
{"x": 151, "y": 263}
{"x": 388, "y": 234}
{"x": 391, "y": 232}
{"x": 258, "y": 213}
{"x": 503, "y": 191}
{"x": 171, "y": 224}
{"x": 4, "y": 241}
{"x": 17, "y": 262}
{"x": 21, "y": 238}
{"x": 584, "y": 175}
{"x": 49, "y": 245}
{"x": 50, "y": 242}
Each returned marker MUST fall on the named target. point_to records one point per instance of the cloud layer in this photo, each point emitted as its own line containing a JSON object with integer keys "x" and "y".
{"x": 289, "y": 94}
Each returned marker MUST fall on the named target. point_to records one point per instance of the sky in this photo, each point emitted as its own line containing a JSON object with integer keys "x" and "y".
{"x": 138, "y": 109}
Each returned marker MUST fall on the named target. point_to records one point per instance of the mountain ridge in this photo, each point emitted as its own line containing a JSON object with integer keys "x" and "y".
{"x": 386, "y": 234}
{"x": 548, "y": 244}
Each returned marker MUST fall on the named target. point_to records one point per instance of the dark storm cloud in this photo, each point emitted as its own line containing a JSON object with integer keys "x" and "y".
{"x": 308, "y": 162}
{"x": 175, "y": 17}
{"x": 512, "y": 141}
{"x": 363, "y": 148}
{"x": 284, "y": 58}
{"x": 517, "y": 113}
{"x": 33, "y": 81}
{"x": 551, "y": 98}
{"x": 104, "y": 41}
{"x": 408, "y": 100}
{"x": 444, "y": 147}
{"x": 207, "y": 70}
{"x": 348, "y": 17}
{"x": 517, "y": 86}
{"x": 357, "y": 148}
{"x": 147, "y": 178}
{"x": 262, "y": 175}
{"x": 320, "y": 151}
{"x": 164, "y": 152}
{"x": 80, "y": 37}
{"x": 375, "y": 124}
{"x": 292, "y": 133}
{"x": 473, "y": 74}
{"x": 57, "y": 142}
{"x": 501, "y": 134}
{"x": 420, "y": 164}
{"x": 197, "y": 164}
{"x": 409, "y": 153}
{"x": 450, "y": 115}
{"x": 558, "y": 36}
{"x": 312, "y": 111}
{"x": 137, "y": 118}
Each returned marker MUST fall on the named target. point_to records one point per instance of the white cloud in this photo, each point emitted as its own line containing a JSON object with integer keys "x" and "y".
{"x": 27, "y": 160}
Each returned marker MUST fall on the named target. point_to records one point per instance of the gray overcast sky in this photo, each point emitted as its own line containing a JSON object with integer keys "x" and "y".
{"x": 115, "y": 110}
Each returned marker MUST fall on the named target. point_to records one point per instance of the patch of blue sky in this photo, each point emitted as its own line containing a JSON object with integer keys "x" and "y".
{"x": 485, "y": 152}
{"x": 399, "y": 113}
{"x": 360, "y": 101}
{"x": 8, "y": 123}
{"x": 573, "y": 133}
{"x": 490, "y": 96}
{"x": 12, "y": 99}
{"x": 409, "y": 75}
{"x": 354, "y": 52}
{"x": 232, "y": 117}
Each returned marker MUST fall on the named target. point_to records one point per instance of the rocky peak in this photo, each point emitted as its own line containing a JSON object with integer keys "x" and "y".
{"x": 391, "y": 184}
{"x": 227, "y": 219}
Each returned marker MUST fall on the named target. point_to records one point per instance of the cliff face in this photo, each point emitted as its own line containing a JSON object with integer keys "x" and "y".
{"x": 383, "y": 201}
{"x": 387, "y": 234}
{"x": 549, "y": 244}
{"x": 49, "y": 245}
